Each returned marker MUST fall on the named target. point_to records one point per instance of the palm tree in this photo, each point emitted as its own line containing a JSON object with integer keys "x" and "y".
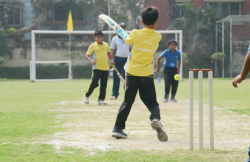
{"x": 198, "y": 25}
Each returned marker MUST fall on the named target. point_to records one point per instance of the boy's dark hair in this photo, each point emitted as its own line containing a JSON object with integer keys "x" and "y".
{"x": 98, "y": 32}
{"x": 172, "y": 41}
{"x": 150, "y": 15}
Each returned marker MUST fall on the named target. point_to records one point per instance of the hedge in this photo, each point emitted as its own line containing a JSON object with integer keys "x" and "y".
{"x": 46, "y": 72}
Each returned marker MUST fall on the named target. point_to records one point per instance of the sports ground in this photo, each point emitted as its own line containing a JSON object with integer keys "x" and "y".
{"x": 48, "y": 121}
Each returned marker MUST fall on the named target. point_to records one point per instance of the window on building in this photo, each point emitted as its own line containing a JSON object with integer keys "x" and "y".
{"x": 14, "y": 16}
{"x": 227, "y": 8}
{"x": 180, "y": 9}
{"x": 61, "y": 13}
{"x": 234, "y": 8}
{"x": 50, "y": 11}
{"x": 1, "y": 10}
{"x": 77, "y": 14}
{"x": 230, "y": 9}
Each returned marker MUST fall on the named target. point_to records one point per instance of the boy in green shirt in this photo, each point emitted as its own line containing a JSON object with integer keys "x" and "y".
{"x": 140, "y": 74}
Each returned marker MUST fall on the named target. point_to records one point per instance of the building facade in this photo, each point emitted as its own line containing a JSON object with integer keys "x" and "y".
{"x": 22, "y": 13}
{"x": 229, "y": 7}
{"x": 225, "y": 8}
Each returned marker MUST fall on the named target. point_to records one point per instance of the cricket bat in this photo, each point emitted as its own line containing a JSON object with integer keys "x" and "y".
{"x": 120, "y": 31}
{"x": 111, "y": 23}
{"x": 119, "y": 75}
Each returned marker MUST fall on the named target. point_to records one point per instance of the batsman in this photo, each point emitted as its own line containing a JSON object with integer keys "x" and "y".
{"x": 140, "y": 75}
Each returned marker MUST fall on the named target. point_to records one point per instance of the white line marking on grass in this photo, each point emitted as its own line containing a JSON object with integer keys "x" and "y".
{"x": 65, "y": 111}
{"x": 58, "y": 134}
{"x": 236, "y": 141}
{"x": 76, "y": 144}
{"x": 91, "y": 102}
{"x": 5, "y": 143}
{"x": 218, "y": 108}
{"x": 56, "y": 143}
{"x": 91, "y": 153}
{"x": 64, "y": 152}
{"x": 232, "y": 101}
{"x": 245, "y": 116}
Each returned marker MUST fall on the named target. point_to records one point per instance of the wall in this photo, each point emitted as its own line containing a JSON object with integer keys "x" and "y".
{"x": 48, "y": 50}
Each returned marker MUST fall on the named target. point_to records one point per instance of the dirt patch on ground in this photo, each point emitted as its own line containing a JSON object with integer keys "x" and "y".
{"x": 90, "y": 127}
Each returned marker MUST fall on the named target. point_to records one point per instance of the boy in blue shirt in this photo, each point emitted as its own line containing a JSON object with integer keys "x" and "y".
{"x": 248, "y": 160}
{"x": 171, "y": 67}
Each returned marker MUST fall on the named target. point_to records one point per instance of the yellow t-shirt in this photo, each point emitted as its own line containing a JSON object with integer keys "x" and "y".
{"x": 145, "y": 43}
{"x": 100, "y": 55}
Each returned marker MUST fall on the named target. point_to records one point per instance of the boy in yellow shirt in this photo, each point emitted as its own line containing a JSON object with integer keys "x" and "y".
{"x": 140, "y": 74}
{"x": 100, "y": 51}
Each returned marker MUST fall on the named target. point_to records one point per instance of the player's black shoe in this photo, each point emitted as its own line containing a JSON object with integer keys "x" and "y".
{"x": 161, "y": 134}
{"x": 119, "y": 133}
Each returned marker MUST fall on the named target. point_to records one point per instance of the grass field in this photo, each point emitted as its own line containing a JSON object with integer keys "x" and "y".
{"x": 35, "y": 116}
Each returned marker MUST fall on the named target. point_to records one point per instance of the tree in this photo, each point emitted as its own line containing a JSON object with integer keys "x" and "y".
{"x": 119, "y": 10}
{"x": 174, "y": 12}
{"x": 5, "y": 50}
{"x": 39, "y": 20}
{"x": 198, "y": 25}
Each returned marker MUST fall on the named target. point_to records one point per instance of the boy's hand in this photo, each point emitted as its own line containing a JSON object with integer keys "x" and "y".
{"x": 157, "y": 70}
{"x": 93, "y": 62}
{"x": 178, "y": 71}
{"x": 112, "y": 63}
{"x": 236, "y": 80}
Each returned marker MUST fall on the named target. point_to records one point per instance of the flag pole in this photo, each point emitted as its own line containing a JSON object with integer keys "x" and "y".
{"x": 69, "y": 45}
{"x": 70, "y": 28}
{"x": 70, "y": 75}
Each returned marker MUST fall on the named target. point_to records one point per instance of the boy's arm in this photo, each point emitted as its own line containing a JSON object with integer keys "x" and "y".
{"x": 111, "y": 59}
{"x": 90, "y": 60}
{"x": 90, "y": 52}
{"x": 112, "y": 47}
{"x": 178, "y": 66}
{"x": 113, "y": 53}
{"x": 158, "y": 64}
{"x": 110, "y": 56}
{"x": 244, "y": 72}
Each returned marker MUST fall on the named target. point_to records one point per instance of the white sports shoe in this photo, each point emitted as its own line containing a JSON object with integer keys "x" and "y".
{"x": 165, "y": 100}
{"x": 173, "y": 100}
{"x": 161, "y": 133}
{"x": 102, "y": 102}
{"x": 86, "y": 99}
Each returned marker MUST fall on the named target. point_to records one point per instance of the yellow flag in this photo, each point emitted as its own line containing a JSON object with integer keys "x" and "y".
{"x": 70, "y": 22}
